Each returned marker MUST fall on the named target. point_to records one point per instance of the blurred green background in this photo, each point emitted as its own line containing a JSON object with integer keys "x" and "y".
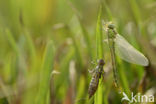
{"x": 47, "y": 46}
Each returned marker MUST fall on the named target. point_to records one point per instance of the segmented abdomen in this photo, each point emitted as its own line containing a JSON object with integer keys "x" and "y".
{"x": 93, "y": 84}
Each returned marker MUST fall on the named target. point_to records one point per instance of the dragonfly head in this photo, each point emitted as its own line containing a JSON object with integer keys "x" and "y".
{"x": 101, "y": 62}
{"x": 111, "y": 26}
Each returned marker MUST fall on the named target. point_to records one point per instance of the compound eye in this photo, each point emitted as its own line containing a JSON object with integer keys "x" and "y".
{"x": 111, "y": 26}
{"x": 101, "y": 62}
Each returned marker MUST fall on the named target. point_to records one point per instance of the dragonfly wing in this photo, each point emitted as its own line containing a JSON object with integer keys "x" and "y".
{"x": 128, "y": 53}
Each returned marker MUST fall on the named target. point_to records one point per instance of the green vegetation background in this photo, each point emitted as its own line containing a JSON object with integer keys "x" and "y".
{"x": 47, "y": 47}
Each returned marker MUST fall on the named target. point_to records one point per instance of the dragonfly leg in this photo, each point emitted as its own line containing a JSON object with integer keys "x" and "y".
{"x": 91, "y": 71}
{"x": 103, "y": 76}
{"x": 93, "y": 62}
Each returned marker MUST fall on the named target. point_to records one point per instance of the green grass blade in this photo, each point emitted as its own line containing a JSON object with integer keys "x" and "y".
{"x": 45, "y": 74}
{"x": 12, "y": 42}
{"x": 136, "y": 11}
{"x": 99, "y": 52}
{"x": 15, "y": 49}
{"x": 4, "y": 99}
{"x": 123, "y": 78}
{"x": 77, "y": 49}
{"x": 32, "y": 50}
{"x": 108, "y": 11}
{"x": 84, "y": 31}
{"x": 64, "y": 73}
{"x": 87, "y": 39}
{"x": 99, "y": 39}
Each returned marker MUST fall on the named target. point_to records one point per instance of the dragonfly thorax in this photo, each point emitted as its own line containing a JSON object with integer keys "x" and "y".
{"x": 111, "y": 34}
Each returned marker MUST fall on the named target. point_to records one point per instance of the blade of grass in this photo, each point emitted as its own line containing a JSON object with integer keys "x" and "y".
{"x": 33, "y": 67}
{"x": 107, "y": 89}
{"x": 32, "y": 50}
{"x": 12, "y": 42}
{"x": 81, "y": 89}
{"x": 99, "y": 39}
{"x": 83, "y": 29}
{"x": 87, "y": 39}
{"x": 45, "y": 74}
{"x": 77, "y": 49}
{"x": 123, "y": 78}
{"x": 4, "y": 100}
{"x": 108, "y": 11}
{"x": 15, "y": 49}
{"x": 99, "y": 52}
{"x": 136, "y": 11}
{"x": 64, "y": 73}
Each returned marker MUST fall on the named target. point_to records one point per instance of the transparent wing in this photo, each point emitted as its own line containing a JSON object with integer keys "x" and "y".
{"x": 128, "y": 53}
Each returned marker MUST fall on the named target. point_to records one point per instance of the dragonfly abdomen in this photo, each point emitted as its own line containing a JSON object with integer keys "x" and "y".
{"x": 93, "y": 85}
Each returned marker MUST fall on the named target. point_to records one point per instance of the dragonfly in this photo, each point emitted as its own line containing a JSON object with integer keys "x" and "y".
{"x": 120, "y": 46}
{"x": 96, "y": 75}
